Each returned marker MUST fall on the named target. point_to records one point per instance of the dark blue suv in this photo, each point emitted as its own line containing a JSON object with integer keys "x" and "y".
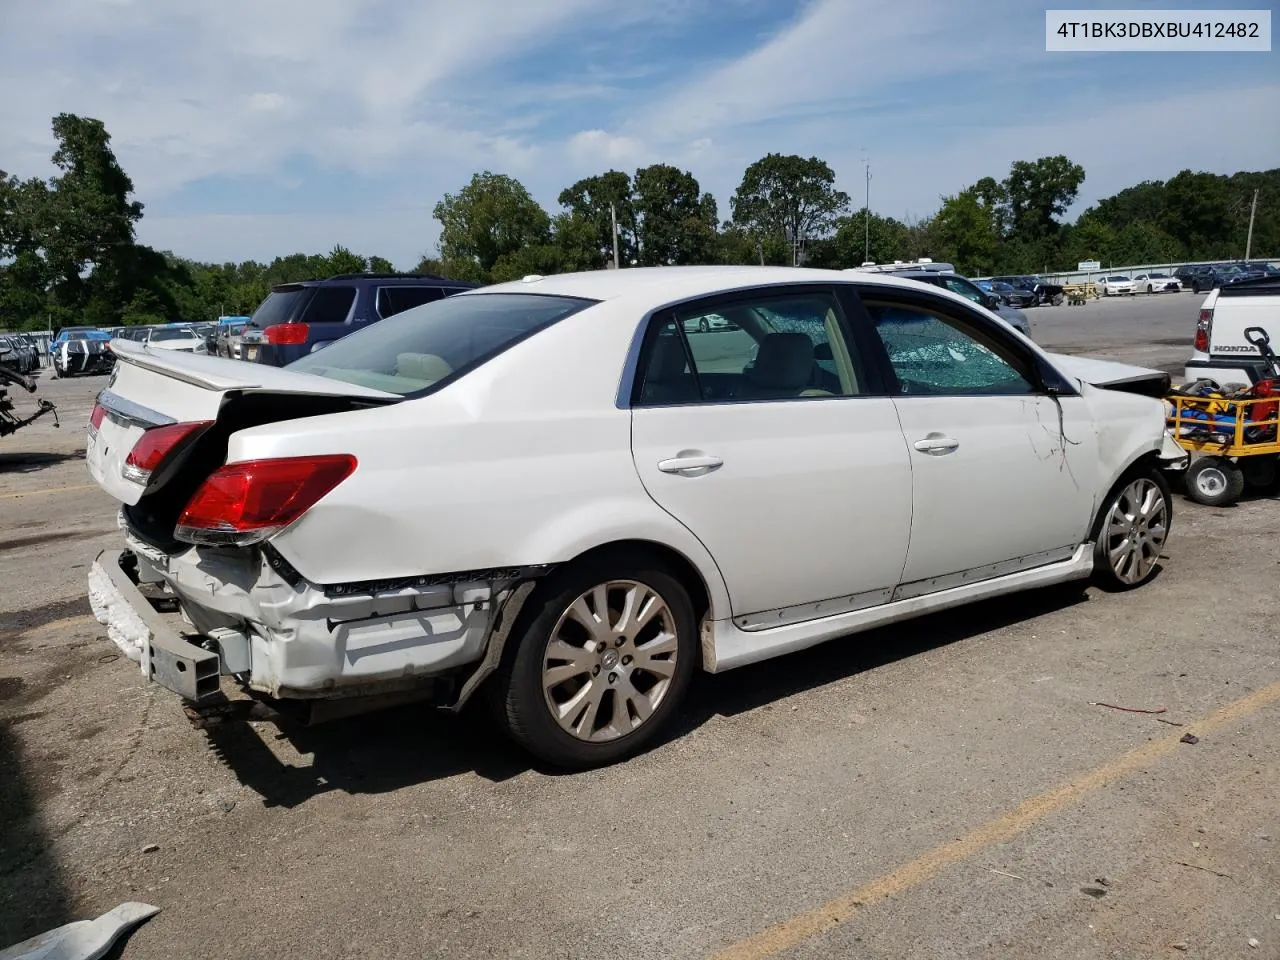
{"x": 298, "y": 318}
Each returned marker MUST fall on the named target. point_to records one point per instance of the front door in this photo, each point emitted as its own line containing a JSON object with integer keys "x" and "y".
{"x": 763, "y": 435}
{"x": 1002, "y": 471}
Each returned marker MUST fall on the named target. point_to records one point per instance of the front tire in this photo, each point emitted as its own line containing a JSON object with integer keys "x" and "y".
{"x": 603, "y": 663}
{"x": 1214, "y": 481}
{"x": 1132, "y": 529}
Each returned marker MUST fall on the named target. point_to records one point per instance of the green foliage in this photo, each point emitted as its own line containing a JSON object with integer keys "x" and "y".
{"x": 490, "y": 219}
{"x": 788, "y": 198}
{"x": 965, "y": 233}
{"x": 847, "y": 247}
{"x": 675, "y": 220}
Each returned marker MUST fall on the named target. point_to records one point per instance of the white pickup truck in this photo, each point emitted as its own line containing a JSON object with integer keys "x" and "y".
{"x": 1223, "y": 351}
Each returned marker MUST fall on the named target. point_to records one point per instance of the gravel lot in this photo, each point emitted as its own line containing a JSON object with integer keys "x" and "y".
{"x": 949, "y": 788}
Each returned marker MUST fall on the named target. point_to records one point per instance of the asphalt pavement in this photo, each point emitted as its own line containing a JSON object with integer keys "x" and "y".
{"x": 961, "y": 786}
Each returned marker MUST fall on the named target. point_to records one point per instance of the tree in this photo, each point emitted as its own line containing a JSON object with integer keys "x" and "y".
{"x": 965, "y": 234}
{"x": 847, "y": 246}
{"x": 675, "y": 220}
{"x": 1197, "y": 210}
{"x": 1036, "y": 193}
{"x": 590, "y": 201}
{"x": 87, "y": 218}
{"x": 492, "y": 217}
{"x": 788, "y": 197}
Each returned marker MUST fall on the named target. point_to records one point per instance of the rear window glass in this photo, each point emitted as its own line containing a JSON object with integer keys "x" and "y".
{"x": 176, "y": 334}
{"x": 277, "y": 308}
{"x": 329, "y": 305}
{"x": 428, "y": 346}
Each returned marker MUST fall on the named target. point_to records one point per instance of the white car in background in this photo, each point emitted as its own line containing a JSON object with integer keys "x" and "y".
{"x": 550, "y": 489}
{"x": 1156, "y": 283}
{"x": 177, "y": 339}
{"x": 1116, "y": 286}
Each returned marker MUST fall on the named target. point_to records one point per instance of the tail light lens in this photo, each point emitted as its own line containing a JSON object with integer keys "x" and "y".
{"x": 285, "y": 333}
{"x": 1204, "y": 329}
{"x": 96, "y": 417}
{"x": 245, "y": 503}
{"x": 156, "y": 444}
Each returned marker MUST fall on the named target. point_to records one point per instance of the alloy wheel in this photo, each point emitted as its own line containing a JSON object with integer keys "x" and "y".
{"x": 1137, "y": 527}
{"x": 610, "y": 660}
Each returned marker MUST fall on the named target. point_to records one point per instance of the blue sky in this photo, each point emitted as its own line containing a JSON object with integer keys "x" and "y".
{"x": 254, "y": 128}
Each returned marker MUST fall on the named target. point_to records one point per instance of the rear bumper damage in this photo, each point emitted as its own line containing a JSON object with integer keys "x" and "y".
{"x": 252, "y": 617}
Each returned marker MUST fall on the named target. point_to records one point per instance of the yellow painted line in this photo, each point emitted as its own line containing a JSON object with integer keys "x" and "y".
{"x": 35, "y": 493}
{"x": 773, "y": 940}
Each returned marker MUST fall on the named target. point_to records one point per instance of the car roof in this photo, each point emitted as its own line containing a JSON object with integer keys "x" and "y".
{"x": 666, "y": 284}
{"x": 385, "y": 279}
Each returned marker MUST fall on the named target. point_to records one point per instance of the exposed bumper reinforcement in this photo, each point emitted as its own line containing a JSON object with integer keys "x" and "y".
{"x": 164, "y": 656}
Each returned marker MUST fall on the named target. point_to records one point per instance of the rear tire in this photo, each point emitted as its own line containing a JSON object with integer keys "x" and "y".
{"x": 1261, "y": 474}
{"x": 1214, "y": 481}
{"x": 587, "y": 687}
{"x": 1131, "y": 530}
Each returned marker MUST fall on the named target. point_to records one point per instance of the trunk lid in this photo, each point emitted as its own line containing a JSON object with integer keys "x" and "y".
{"x": 1237, "y": 307}
{"x": 157, "y": 388}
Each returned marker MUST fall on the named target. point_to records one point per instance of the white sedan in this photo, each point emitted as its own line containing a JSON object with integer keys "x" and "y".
{"x": 1116, "y": 286}
{"x": 549, "y": 490}
{"x": 1156, "y": 283}
{"x": 179, "y": 339}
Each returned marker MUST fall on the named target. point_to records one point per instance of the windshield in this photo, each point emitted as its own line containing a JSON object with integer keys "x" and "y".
{"x": 178, "y": 334}
{"x": 428, "y": 346}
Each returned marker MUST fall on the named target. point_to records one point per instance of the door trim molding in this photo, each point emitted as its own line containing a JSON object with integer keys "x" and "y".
{"x": 990, "y": 571}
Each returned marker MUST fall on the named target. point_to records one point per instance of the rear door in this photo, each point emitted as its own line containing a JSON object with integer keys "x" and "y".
{"x": 773, "y": 441}
{"x": 1001, "y": 471}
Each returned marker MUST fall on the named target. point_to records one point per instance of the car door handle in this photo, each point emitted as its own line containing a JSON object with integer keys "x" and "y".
{"x": 689, "y": 464}
{"x": 936, "y": 445}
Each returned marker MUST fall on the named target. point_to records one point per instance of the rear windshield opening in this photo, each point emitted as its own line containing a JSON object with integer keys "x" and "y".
{"x": 425, "y": 347}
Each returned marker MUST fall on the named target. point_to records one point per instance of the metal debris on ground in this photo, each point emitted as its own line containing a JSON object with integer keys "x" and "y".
{"x": 1098, "y": 703}
{"x": 1189, "y": 738}
{"x": 83, "y": 939}
{"x": 1196, "y": 866}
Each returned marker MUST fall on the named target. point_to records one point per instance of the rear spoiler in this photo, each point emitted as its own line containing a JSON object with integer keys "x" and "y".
{"x": 222, "y": 375}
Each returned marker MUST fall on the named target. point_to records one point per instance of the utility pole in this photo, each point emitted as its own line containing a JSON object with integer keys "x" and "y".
{"x": 613, "y": 217}
{"x": 1248, "y": 244}
{"x": 866, "y": 250}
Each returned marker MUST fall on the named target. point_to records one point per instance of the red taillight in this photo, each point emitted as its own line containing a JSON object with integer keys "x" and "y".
{"x": 156, "y": 444}
{"x": 245, "y": 503}
{"x": 1204, "y": 328}
{"x": 96, "y": 418}
{"x": 285, "y": 333}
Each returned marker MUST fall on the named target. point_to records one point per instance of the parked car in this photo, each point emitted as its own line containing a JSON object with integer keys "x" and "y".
{"x": 1214, "y": 276}
{"x": 1044, "y": 291}
{"x": 970, "y": 291}
{"x": 22, "y": 356}
{"x": 1221, "y": 351}
{"x": 548, "y": 489}
{"x": 177, "y": 337}
{"x": 1116, "y": 285}
{"x": 299, "y": 318}
{"x": 707, "y": 323}
{"x": 88, "y": 352}
{"x": 1018, "y": 297}
{"x": 226, "y": 342}
{"x": 1156, "y": 283}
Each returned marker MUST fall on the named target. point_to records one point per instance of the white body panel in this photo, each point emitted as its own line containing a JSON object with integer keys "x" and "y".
{"x": 803, "y": 489}
{"x": 536, "y": 456}
{"x": 1015, "y": 484}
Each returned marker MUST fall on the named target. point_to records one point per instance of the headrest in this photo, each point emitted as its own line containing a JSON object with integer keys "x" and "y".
{"x": 784, "y": 362}
{"x": 422, "y": 366}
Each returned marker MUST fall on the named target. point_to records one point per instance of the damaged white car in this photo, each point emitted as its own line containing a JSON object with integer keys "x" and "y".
{"x": 551, "y": 491}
